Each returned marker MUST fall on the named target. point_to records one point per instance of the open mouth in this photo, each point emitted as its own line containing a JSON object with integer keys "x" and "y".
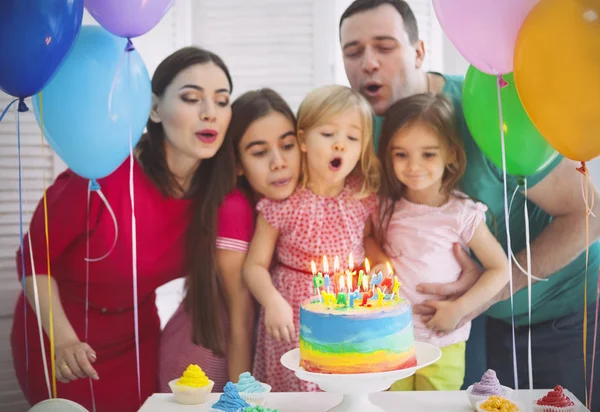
{"x": 281, "y": 182}
{"x": 335, "y": 164}
{"x": 207, "y": 135}
{"x": 372, "y": 88}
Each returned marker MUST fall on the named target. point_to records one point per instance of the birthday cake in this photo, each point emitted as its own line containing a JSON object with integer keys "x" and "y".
{"x": 356, "y": 330}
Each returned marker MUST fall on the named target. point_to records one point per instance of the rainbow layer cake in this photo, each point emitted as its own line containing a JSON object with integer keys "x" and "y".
{"x": 356, "y": 336}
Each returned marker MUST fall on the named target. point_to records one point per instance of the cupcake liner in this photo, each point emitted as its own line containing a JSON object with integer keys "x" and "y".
{"x": 519, "y": 405}
{"x": 188, "y": 395}
{"x": 545, "y": 408}
{"x": 256, "y": 398}
{"x": 508, "y": 394}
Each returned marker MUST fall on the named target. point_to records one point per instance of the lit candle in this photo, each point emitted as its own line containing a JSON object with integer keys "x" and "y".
{"x": 326, "y": 271}
{"x": 396, "y": 288}
{"x": 389, "y": 269}
{"x": 380, "y": 296}
{"x": 367, "y": 266}
{"x": 365, "y": 282}
{"x": 336, "y": 273}
{"x": 341, "y": 297}
{"x": 360, "y": 279}
{"x": 328, "y": 299}
{"x": 317, "y": 280}
{"x": 349, "y": 272}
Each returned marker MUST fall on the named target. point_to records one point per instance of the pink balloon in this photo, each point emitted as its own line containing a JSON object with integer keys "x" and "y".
{"x": 128, "y": 18}
{"x": 484, "y": 31}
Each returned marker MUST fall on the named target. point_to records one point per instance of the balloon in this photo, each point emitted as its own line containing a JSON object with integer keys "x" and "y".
{"x": 484, "y": 31}
{"x": 35, "y": 37}
{"x": 527, "y": 152}
{"x": 557, "y": 70}
{"x": 128, "y": 18}
{"x": 91, "y": 139}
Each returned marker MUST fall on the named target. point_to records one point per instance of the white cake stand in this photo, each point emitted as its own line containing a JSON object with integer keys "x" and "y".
{"x": 357, "y": 387}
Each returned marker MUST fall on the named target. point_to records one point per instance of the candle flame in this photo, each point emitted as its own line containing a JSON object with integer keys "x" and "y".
{"x": 351, "y": 261}
{"x": 336, "y": 265}
{"x": 325, "y": 265}
{"x": 389, "y": 268}
{"x": 367, "y": 266}
{"x": 313, "y": 267}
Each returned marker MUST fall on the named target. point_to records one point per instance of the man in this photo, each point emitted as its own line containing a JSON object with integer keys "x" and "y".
{"x": 383, "y": 58}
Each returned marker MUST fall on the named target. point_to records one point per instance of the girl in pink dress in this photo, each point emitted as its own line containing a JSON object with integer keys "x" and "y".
{"x": 263, "y": 133}
{"x": 326, "y": 216}
{"x": 422, "y": 216}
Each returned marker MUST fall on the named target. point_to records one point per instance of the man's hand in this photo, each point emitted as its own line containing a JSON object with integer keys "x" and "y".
{"x": 450, "y": 291}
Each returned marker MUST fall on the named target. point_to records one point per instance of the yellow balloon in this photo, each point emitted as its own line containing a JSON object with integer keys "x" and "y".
{"x": 557, "y": 74}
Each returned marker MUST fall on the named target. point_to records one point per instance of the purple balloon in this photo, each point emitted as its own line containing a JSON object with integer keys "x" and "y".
{"x": 128, "y": 18}
{"x": 484, "y": 31}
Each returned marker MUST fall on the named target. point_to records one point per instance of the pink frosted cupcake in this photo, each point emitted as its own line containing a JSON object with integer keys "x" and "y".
{"x": 489, "y": 385}
{"x": 555, "y": 401}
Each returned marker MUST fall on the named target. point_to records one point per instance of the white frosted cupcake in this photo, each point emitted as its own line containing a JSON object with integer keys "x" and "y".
{"x": 251, "y": 390}
{"x": 193, "y": 387}
{"x": 488, "y": 385}
{"x": 496, "y": 403}
{"x": 555, "y": 401}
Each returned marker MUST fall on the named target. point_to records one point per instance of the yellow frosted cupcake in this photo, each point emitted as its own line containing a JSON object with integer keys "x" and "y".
{"x": 499, "y": 404}
{"x": 193, "y": 387}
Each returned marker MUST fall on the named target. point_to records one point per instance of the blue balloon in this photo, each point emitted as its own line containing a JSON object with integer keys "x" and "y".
{"x": 90, "y": 136}
{"x": 35, "y": 37}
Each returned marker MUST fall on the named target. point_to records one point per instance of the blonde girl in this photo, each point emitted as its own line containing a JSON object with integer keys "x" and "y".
{"x": 327, "y": 215}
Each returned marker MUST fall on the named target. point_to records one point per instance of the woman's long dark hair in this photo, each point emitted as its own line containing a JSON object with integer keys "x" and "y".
{"x": 212, "y": 181}
{"x": 248, "y": 108}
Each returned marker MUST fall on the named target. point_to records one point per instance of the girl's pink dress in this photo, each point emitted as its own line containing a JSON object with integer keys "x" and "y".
{"x": 310, "y": 226}
{"x": 177, "y": 351}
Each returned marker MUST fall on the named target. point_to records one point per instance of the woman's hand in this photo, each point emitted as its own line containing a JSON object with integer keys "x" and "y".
{"x": 279, "y": 320}
{"x": 74, "y": 360}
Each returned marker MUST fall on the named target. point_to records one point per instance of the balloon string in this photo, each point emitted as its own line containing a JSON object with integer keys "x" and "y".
{"x": 6, "y": 109}
{"x": 96, "y": 188}
{"x": 47, "y": 233}
{"x": 36, "y": 298}
{"x": 515, "y": 261}
{"x": 528, "y": 248}
{"x": 499, "y": 85}
{"x": 585, "y": 176}
{"x": 23, "y": 281}
{"x": 87, "y": 285}
{"x": 134, "y": 243}
{"x": 112, "y": 116}
{"x": 595, "y": 336}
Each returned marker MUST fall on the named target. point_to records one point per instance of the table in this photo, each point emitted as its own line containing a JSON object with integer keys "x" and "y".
{"x": 322, "y": 401}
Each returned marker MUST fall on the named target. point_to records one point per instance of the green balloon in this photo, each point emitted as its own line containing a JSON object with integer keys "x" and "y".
{"x": 527, "y": 152}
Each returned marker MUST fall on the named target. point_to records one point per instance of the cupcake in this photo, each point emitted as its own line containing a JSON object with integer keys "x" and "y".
{"x": 497, "y": 403}
{"x": 259, "y": 409}
{"x": 230, "y": 401}
{"x": 193, "y": 387}
{"x": 488, "y": 385}
{"x": 251, "y": 390}
{"x": 555, "y": 401}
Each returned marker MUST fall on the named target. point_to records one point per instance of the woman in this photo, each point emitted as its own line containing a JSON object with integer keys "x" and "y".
{"x": 262, "y": 132}
{"x": 184, "y": 168}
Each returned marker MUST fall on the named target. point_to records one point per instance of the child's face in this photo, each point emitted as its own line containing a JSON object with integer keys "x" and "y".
{"x": 269, "y": 156}
{"x": 333, "y": 148}
{"x": 417, "y": 158}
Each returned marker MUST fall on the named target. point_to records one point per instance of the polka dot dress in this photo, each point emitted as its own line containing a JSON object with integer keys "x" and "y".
{"x": 310, "y": 226}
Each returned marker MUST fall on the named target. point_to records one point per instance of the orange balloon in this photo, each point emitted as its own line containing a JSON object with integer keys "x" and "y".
{"x": 557, "y": 74}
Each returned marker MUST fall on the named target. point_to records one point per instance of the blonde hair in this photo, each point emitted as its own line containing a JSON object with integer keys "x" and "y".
{"x": 327, "y": 101}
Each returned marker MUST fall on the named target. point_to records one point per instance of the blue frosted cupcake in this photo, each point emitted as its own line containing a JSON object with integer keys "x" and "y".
{"x": 251, "y": 390}
{"x": 230, "y": 401}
